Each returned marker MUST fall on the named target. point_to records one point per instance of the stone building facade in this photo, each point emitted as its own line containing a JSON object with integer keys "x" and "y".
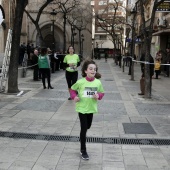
{"x": 29, "y": 33}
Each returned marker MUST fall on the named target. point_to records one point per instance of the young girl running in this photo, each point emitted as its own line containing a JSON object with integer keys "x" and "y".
{"x": 85, "y": 92}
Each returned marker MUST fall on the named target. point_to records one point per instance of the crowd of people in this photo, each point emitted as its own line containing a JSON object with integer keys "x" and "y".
{"x": 54, "y": 58}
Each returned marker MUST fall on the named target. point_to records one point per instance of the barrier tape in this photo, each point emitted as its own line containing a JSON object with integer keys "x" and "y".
{"x": 25, "y": 67}
{"x": 144, "y": 62}
{"x": 28, "y": 66}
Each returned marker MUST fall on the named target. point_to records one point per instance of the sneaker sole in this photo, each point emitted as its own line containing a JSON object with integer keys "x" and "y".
{"x": 83, "y": 158}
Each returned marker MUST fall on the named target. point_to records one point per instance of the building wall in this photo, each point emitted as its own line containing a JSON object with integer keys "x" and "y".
{"x": 105, "y": 43}
{"x": 9, "y": 8}
{"x": 46, "y": 24}
{"x": 29, "y": 33}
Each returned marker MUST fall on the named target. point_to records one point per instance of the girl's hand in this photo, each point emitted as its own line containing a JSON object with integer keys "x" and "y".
{"x": 76, "y": 99}
{"x": 71, "y": 64}
{"x": 96, "y": 96}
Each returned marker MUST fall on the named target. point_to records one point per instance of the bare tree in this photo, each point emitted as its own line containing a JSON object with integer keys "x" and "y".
{"x": 36, "y": 21}
{"x": 112, "y": 23}
{"x": 79, "y": 18}
{"x": 147, "y": 34}
{"x": 65, "y": 7}
{"x": 13, "y": 67}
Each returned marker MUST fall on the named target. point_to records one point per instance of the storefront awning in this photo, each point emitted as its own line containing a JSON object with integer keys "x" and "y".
{"x": 162, "y": 32}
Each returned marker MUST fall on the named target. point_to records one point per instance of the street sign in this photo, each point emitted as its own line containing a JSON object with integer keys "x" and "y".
{"x": 2, "y": 14}
{"x": 164, "y": 7}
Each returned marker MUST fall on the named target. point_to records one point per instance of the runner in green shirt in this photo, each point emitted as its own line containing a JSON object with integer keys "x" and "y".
{"x": 71, "y": 62}
{"x": 85, "y": 93}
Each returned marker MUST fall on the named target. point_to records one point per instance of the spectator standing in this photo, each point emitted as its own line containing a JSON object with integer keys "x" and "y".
{"x": 61, "y": 58}
{"x": 106, "y": 56}
{"x": 52, "y": 59}
{"x": 22, "y": 50}
{"x": 44, "y": 66}
{"x": 157, "y": 68}
{"x": 57, "y": 61}
{"x": 158, "y": 55}
{"x": 28, "y": 50}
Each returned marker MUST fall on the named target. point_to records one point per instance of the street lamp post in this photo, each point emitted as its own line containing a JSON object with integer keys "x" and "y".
{"x": 131, "y": 67}
{"x": 64, "y": 32}
{"x": 79, "y": 26}
{"x": 53, "y": 18}
{"x": 73, "y": 33}
{"x": 92, "y": 48}
{"x": 82, "y": 40}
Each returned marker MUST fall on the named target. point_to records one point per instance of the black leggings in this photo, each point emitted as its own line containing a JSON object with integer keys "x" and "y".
{"x": 85, "y": 123}
{"x": 46, "y": 73}
{"x": 71, "y": 78}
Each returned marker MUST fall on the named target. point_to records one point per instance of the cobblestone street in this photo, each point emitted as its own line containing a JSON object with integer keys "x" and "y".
{"x": 39, "y": 130}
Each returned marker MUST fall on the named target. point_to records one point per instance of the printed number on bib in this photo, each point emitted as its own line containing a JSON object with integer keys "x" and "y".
{"x": 90, "y": 91}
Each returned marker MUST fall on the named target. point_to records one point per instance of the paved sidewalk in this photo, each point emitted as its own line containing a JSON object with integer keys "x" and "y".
{"x": 123, "y": 116}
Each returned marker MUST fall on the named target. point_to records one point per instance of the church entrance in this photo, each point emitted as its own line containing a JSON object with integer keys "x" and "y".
{"x": 49, "y": 41}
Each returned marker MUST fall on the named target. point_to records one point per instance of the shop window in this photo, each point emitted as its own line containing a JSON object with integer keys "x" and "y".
{"x": 102, "y": 2}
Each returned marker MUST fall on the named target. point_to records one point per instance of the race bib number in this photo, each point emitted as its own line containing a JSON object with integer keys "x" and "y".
{"x": 73, "y": 68}
{"x": 90, "y": 91}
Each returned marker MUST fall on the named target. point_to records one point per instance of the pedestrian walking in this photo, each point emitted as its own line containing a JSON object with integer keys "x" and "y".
{"x": 71, "y": 62}
{"x": 85, "y": 92}
{"x": 157, "y": 68}
{"x": 44, "y": 66}
{"x": 159, "y": 55}
{"x": 106, "y": 56}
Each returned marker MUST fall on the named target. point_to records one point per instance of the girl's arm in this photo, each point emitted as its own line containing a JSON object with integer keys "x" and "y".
{"x": 73, "y": 93}
{"x": 65, "y": 65}
{"x": 100, "y": 95}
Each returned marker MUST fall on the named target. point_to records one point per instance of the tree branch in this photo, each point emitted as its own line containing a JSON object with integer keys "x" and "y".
{"x": 41, "y": 9}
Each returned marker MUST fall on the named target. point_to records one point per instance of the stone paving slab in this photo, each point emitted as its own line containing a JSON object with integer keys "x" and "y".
{"x": 40, "y": 111}
{"x": 138, "y": 128}
{"x": 40, "y": 105}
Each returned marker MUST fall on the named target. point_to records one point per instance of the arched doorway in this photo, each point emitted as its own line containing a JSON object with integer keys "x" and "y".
{"x": 49, "y": 41}
{"x": 48, "y": 37}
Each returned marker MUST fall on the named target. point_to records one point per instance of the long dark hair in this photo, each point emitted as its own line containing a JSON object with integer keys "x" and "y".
{"x": 85, "y": 66}
{"x": 43, "y": 51}
{"x": 68, "y": 49}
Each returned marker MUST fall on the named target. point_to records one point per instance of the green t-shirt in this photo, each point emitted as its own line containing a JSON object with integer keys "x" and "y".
{"x": 71, "y": 59}
{"x": 85, "y": 90}
{"x": 43, "y": 61}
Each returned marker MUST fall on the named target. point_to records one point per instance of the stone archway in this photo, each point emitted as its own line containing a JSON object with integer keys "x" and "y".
{"x": 48, "y": 37}
{"x": 49, "y": 41}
